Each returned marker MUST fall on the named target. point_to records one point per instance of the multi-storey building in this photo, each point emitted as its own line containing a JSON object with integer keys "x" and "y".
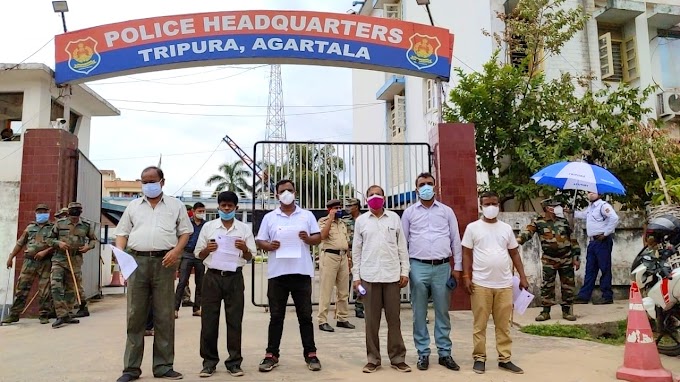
{"x": 631, "y": 41}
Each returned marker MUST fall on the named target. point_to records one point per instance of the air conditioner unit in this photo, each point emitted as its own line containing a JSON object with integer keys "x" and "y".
{"x": 669, "y": 103}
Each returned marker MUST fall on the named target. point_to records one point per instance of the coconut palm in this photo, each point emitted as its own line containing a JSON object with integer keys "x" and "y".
{"x": 232, "y": 177}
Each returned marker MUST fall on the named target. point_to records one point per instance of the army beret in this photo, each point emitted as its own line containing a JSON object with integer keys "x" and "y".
{"x": 550, "y": 203}
{"x": 75, "y": 205}
{"x": 333, "y": 203}
{"x": 42, "y": 206}
{"x": 353, "y": 202}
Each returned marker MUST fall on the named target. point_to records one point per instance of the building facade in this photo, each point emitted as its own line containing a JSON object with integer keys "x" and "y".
{"x": 631, "y": 41}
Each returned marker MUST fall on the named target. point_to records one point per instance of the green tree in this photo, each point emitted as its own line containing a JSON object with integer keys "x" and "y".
{"x": 232, "y": 177}
{"x": 525, "y": 121}
{"x": 316, "y": 171}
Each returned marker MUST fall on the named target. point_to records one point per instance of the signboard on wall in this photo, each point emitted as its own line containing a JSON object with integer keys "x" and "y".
{"x": 263, "y": 37}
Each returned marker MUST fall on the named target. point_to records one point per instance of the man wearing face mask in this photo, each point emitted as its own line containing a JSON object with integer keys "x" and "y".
{"x": 36, "y": 264}
{"x": 381, "y": 268}
{"x": 560, "y": 255}
{"x": 333, "y": 266}
{"x": 353, "y": 209}
{"x": 601, "y": 221}
{"x": 290, "y": 275}
{"x": 154, "y": 229}
{"x": 190, "y": 261}
{"x": 431, "y": 230}
{"x": 71, "y": 237}
{"x": 490, "y": 252}
{"x": 223, "y": 282}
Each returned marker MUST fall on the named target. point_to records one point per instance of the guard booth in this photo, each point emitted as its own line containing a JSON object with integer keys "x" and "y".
{"x": 332, "y": 170}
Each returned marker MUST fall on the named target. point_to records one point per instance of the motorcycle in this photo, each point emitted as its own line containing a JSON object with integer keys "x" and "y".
{"x": 659, "y": 285}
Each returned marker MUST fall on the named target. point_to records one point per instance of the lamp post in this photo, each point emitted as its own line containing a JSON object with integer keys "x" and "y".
{"x": 61, "y": 7}
{"x": 426, "y": 3}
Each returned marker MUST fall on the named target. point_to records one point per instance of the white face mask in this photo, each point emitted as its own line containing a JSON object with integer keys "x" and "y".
{"x": 287, "y": 197}
{"x": 490, "y": 212}
{"x": 200, "y": 216}
{"x": 558, "y": 211}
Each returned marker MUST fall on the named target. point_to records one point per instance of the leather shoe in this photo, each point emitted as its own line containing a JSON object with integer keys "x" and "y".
{"x": 345, "y": 324}
{"x": 326, "y": 328}
{"x": 603, "y": 302}
{"x": 580, "y": 301}
{"x": 360, "y": 314}
{"x": 449, "y": 363}
{"x": 126, "y": 378}
{"x": 423, "y": 362}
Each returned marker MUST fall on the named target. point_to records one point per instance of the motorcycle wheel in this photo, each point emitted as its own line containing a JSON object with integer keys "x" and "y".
{"x": 667, "y": 332}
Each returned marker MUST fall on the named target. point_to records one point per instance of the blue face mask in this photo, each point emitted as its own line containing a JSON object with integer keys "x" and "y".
{"x": 426, "y": 192}
{"x": 226, "y": 215}
{"x": 42, "y": 218}
{"x": 152, "y": 190}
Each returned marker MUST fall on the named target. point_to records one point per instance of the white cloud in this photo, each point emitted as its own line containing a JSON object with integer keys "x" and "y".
{"x": 118, "y": 142}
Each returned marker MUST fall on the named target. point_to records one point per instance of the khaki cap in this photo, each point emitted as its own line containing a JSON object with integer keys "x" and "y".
{"x": 42, "y": 206}
{"x": 75, "y": 205}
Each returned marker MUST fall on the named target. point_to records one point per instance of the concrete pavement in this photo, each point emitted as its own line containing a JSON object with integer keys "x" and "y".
{"x": 93, "y": 349}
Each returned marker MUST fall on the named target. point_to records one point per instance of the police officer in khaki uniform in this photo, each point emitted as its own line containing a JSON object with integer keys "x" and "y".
{"x": 70, "y": 237}
{"x": 36, "y": 263}
{"x": 334, "y": 267}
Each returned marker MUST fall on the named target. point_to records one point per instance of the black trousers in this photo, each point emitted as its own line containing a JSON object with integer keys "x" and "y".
{"x": 184, "y": 272}
{"x": 227, "y": 287}
{"x": 278, "y": 290}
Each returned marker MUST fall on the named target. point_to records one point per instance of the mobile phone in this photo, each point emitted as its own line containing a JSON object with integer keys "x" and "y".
{"x": 212, "y": 240}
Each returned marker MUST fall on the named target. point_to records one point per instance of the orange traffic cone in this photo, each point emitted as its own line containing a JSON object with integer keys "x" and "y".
{"x": 116, "y": 277}
{"x": 641, "y": 361}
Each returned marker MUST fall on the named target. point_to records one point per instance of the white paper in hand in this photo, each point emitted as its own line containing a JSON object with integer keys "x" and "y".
{"x": 522, "y": 302}
{"x": 125, "y": 261}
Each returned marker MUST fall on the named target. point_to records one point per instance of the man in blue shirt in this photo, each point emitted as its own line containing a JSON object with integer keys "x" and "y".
{"x": 601, "y": 221}
{"x": 189, "y": 262}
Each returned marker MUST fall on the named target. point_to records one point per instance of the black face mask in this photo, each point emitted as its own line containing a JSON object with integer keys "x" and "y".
{"x": 74, "y": 211}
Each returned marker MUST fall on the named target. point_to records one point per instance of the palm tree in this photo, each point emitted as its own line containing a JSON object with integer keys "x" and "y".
{"x": 232, "y": 177}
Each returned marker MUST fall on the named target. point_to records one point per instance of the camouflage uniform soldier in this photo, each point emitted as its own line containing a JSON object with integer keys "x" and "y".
{"x": 75, "y": 235}
{"x": 36, "y": 263}
{"x": 61, "y": 214}
{"x": 353, "y": 208}
{"x": 561, "y": 255}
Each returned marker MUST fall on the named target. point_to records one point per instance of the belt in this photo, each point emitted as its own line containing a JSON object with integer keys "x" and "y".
{"x": 592, "y": 238}
{"x": 149, "y": 253}
{"x": 224, "y": 273}
{"x": 335, "y": 251}
{"x": 434, "y": 262}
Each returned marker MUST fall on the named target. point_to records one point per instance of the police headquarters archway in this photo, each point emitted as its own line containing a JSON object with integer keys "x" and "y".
{"x": 263, "y": 37}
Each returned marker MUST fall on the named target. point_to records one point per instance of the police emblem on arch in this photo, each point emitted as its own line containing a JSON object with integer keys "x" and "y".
{"x": 423, "y": 51}
{"x": 83, "y": 55}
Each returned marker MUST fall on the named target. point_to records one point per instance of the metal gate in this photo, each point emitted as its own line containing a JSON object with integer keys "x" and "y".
{"x": 89, "y": 194}
{"x": 331, "y": 170}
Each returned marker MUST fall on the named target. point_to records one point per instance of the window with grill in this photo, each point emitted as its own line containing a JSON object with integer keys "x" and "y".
{"x": 618, "y": 58}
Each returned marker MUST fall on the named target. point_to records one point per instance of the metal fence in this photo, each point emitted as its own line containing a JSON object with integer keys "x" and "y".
{"x": 89, "y": 194}
{"x": 332, "y": 170}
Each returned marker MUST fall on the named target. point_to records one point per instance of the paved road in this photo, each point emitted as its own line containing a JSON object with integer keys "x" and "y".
{"x": 92, "y": 351}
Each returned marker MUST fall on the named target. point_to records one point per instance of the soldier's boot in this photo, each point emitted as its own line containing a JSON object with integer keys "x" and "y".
{"x": 544, "y": 316}
{"x": 10, "y": 319}
{"x": 59, "y": 322}
{"x": 567, "y": 313}
{"x": 83, "y": 311}
{"x": 44, "y": 320}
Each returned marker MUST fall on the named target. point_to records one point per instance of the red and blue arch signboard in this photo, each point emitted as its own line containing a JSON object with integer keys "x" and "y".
{"x": 268, "y": 37}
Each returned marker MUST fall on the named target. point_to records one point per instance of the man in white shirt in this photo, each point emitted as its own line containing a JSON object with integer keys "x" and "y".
{"x": 601, "y": 221}
{"x": 490, "y": 251}
{"x": 431, "y": 229}
{"x": 225, "y": 245}
{"x": 286, "y": 233}
{"x": 154, "y": 229}
{"x": 381, "y": 269}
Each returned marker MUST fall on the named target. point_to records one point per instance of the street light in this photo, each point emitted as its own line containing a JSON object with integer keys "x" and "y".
{"x": 61, "y": 7}
{"x": 426, "y": 3}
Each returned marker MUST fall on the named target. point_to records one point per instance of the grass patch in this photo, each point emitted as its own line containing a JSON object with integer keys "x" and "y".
{"x": 612, "y": 333}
